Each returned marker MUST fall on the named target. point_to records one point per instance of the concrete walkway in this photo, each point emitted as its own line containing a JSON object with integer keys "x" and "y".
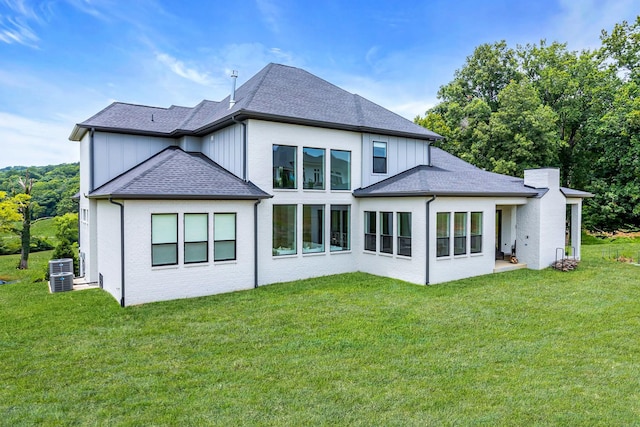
{"x": 502, "y": 266}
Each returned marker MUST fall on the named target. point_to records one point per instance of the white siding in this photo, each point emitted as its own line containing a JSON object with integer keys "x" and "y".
{"x": 402, "y": 154}
{"x": 117, "y": 153}
{"x": 225, "y": 147}
{"x": 107, "y": 261}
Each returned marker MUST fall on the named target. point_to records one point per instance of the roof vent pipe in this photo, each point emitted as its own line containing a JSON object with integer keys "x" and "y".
{"x": 234, "y": 77}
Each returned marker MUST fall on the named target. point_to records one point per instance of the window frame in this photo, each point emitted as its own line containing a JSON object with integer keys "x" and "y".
{"x": 386, "y": 232}
{"x": 475, "y": 235}
{"x": 158, "y": 244}
{"x": 185, "y": 242}
{"x": 279, "y": 178}
{"x": 441, "y": 238}
{"x": 337, "y": 234}
{"x": 335, "y": 186}
{"x": 307, "y": 229}
{"x": 375, "y": 165}
{"x": 314, "y": 170}
{"x": 370, "y": 231}
{"x": 234, "y": 240}
{"x": 460, "y": 233}
{"x": 291, "y": 228}
{"x": 404, "y": 237}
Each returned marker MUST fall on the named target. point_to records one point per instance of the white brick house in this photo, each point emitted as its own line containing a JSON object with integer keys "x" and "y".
{"x": 294, "y": 178}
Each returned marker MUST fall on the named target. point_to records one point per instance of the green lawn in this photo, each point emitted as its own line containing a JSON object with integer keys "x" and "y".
{"x": 517, "y": 348}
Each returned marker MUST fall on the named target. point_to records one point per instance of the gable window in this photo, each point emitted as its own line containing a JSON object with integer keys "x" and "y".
{"x": 370, "y": 231}
{"x": 312, "y": 228}
{"x": 442, "y": 233}
{"x": 379, "y": 157}
{"x": 196, "y": 238}
{"x": 284, "y": 166}
{"x": 340, "y": 170}
{"x": 404, "y": 233}
{"x": 460, "y": 233}
{"x": 476, "y": 232}
{"x": 284, "y": 230}
{"x": 224, "y": 236}
{"x": 386, "y": 232}
{"x": 313, "y": 168}
{"x": 164, "y": 239}
{"x": 340, "y": 229}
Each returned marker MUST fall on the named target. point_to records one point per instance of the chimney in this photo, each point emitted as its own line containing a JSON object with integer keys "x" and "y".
{"x": 232, "y": 99}
{"x": 542, "y": 178}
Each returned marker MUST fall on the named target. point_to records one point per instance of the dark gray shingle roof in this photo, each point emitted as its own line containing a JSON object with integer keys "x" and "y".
{"x": 451, "y": 176}
{"x": 277, "y": 92}
{"x": 175, "y": 174}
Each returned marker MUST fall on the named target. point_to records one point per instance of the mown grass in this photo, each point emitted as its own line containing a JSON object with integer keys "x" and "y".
{"x": 517, "y": 348}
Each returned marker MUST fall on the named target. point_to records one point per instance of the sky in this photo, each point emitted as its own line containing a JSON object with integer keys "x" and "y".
{"x": 62, "y": 61}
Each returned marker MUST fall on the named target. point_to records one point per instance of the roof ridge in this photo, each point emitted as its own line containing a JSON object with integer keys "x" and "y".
{"x": 194, "y": 111}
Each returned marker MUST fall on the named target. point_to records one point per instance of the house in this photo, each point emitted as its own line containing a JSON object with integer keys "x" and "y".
{"x": 291, "y": 177}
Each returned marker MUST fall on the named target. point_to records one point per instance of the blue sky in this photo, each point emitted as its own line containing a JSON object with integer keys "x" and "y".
{"x": 61, "y": 61}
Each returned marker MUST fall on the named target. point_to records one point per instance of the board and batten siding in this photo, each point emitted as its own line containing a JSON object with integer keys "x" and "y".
{"x": 402, "y": 154}
{"x": 115, "y": 153}
{"x": 225, "y": 147}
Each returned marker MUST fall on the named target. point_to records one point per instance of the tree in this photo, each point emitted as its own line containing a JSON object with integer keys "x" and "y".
{"x": 8, "y": 212}
{"x": 25, "y": 206}
{"x": 67, "y": 236}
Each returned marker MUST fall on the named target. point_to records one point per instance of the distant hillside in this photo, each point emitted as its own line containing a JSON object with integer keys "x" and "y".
{"x": 53, "y": 188}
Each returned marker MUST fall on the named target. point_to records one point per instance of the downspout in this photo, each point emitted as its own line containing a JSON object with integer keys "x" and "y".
{"x": 92, "y": 173}
{"x": 428, "y": 236}
{"x": 244, "y": 147}
{"x": 121, "y": 248}
{"x": 255, "y": 244}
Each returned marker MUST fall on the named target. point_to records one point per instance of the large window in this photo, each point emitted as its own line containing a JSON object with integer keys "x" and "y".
{"x": 404, "y": 233}
{"x": 460, "y": 233}
{"x": 196, "y": 238}
{"x": 386, "y": 232}
{"x": 340, "y": 228}
{"x": 442, "y": 233}
{"x": 476, "y": 232}
{"x": 284, "y": 166}
{"x": 340, "y": 170}
{"x": 224, "y": 236}
{"x": 312, "y": 228}
{"x": 164, "y": 239}
{"x": 313, "y": 168}
{"x": 370, "y": 231}
{"x": 379, "y": 157}
{"x": 284, "y": 229}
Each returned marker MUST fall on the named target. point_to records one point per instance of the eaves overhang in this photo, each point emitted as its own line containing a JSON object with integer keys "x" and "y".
{"x": 177, "y": 197}
{"x": 442, "y": 194}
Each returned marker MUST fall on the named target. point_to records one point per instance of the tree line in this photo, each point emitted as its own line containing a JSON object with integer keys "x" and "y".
{"x": 508, "y": 109}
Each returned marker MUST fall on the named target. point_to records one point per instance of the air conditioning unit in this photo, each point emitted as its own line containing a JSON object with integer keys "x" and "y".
{"x": 60, "y": 282}
{"x": 63, "y": 265}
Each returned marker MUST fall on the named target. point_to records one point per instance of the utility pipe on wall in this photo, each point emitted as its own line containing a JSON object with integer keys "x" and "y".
{"x": 428, "y": 237}
{"x": 121, "y": 249}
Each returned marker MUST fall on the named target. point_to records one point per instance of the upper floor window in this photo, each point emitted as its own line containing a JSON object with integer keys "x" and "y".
{"x": 340, "y": 170}
{"x": 284, "y": 166}
{"x": 164, "y": 239}
{"x": 386, "y": 232}
{"x": 379, "y": 157}
{"x": 196, "y": 238}
{"x": 370, "y": 231}
{"x": 313, "y": 168}
{"x": 404, "y": 233}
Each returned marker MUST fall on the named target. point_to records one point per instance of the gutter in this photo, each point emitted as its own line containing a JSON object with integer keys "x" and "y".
{"x": 244, "y": 146}
{"x": 92, "y": 173}
{"x": 427, "y": 263}
{"x": 121, "y": 248}
{"x": 255, "y": 244}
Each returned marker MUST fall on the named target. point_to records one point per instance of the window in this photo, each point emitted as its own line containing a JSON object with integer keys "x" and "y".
{"x": 442, "y": 233}
{"x": 460, "y": 233}
{"x": 370, "y": 231}
{"x": 340, "y": 228}
{"x": 196, "y": 238}
{"x": 404, "y": 233}
{"x": 379, "y": 157}
{"x": 313, "y": 168}
{"x": 164, "y": 239}
{"x": 476, "y": 232}
{"x": 224, "y": 236}
{"x": 312, "y": 229}
{"x": 284, "y": 229}
{"x": 84, "y": 215}
{"x": 284, "y": 166}
{"x": 340, "y": 170}
{"x": 386, "y": 232}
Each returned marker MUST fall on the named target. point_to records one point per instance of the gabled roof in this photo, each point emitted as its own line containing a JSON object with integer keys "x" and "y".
{"x": 451, "y": 176}
{"x": 277, "y": 93}
{"x": 176, "y": 174}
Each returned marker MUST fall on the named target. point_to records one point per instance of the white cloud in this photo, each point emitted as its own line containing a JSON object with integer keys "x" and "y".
{"x": 16, "y": 30}
{"x": 270, "y": 14}
{"x": 27, "y": 142}
{"x": 179, "y": 68}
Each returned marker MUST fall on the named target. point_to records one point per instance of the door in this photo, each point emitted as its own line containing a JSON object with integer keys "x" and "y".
{"x": 499, "y": 253}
